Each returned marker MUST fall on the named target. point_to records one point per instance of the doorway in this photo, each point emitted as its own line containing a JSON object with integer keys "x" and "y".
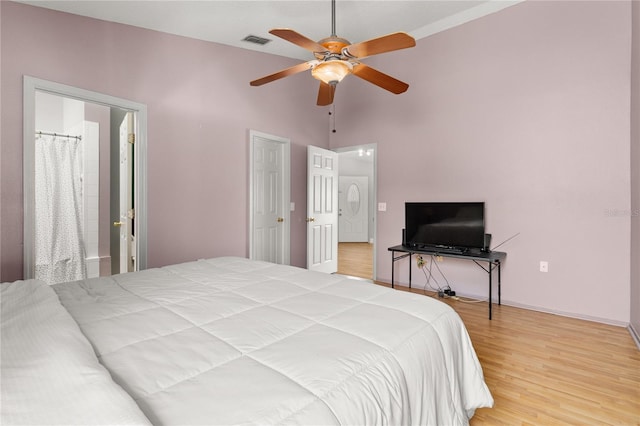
{"x": 73, "y": 181}
{"x": 357, "y": 213}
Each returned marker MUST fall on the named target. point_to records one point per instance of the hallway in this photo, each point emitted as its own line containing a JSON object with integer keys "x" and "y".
{"x": 356, "y": 259}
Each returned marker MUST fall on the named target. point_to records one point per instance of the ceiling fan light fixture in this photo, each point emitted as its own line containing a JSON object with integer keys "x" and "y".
{"x": 335, "y": 58}
{"x": 332, "y": 72}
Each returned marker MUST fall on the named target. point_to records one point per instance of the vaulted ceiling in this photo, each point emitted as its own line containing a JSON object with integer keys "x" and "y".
{"x": 230, "y": 22}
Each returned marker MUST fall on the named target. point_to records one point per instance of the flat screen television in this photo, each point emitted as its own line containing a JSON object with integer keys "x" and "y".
{"x": 452, "y": 225}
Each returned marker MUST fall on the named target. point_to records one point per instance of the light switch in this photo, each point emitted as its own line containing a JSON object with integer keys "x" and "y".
{"x": 382, "y": 207}
{"x": 293, "y": 206}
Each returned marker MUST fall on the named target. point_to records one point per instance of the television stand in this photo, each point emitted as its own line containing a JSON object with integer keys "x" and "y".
{"x": 494, "y": 260}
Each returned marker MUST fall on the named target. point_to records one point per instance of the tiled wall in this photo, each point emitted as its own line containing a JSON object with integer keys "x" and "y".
{"x": 91, "y": 196}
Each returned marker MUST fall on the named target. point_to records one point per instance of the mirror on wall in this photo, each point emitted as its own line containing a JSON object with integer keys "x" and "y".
{"x": 85, "y": 201}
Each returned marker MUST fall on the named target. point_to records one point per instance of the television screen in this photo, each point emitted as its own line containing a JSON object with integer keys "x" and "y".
{"x": 453, "y": 225}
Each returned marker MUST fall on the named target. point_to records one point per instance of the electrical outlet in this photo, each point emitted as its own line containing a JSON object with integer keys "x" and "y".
{"x": 544, "y": 266}
{"x": 420, "y": 261}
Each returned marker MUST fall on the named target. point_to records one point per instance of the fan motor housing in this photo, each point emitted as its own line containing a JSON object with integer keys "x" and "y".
{"x": 333, "y": 44}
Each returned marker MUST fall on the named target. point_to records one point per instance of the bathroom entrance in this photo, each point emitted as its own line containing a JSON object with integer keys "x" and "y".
{"x": 84, "y": 190}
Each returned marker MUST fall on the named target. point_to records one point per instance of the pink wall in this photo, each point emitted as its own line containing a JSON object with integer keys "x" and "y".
{"x": 528, "y": 110}
{"x": 200, "y": 109}
{"x": 2, "y": 202}
{"x": 635, "y": 171}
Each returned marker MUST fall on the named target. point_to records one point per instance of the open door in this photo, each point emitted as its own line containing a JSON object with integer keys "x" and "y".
{"x": 322, "y": 210}
{"x": 127, "y": 212}
{"x": 108, "y": 203}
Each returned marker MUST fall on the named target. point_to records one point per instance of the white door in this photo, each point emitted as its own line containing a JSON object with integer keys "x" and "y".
{"x": 127, "y": 248}
{"x": 353, "y": 215}
{"x": 322, "y": 210}
{"x": 270, "y": 209}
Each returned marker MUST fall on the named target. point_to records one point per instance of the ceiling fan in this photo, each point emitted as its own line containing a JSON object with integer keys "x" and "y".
{"x": 337, "y": 57}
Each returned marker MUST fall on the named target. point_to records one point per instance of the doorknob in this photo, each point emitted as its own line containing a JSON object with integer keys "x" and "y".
{"x": 118, "y": 223}
{"x": 311, "y": 219}
{"x": 280, "y": 219}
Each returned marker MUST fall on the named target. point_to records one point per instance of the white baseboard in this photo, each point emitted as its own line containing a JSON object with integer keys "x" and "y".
{"x": 567, "y": 314}
{"x": 541, "y": 309}
{"x": 552, "y": 311}
{"x": 634, "y": 333}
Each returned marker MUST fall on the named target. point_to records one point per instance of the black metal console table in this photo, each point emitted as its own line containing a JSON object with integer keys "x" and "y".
{"x": 493, "y": 258}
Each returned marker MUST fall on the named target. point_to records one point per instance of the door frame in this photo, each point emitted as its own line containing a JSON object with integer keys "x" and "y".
{"x": 285, "y": 191}
{"x": 374, "y": 199}
{"x": 30, "y": 86}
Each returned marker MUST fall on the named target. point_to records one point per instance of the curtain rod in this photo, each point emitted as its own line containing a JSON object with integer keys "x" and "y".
{"x": 40, "y": 133}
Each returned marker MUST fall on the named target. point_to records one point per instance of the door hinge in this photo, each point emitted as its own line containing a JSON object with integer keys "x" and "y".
{"x": 131, "y": 214}
{"x": 132, "y": 138}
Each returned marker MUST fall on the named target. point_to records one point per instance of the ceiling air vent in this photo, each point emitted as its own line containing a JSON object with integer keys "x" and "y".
{"x": 257, "y": 40}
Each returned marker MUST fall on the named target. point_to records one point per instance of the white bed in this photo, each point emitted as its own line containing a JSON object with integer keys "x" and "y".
{"x": 235, "y": 341}
{"x": 49, "y": 374}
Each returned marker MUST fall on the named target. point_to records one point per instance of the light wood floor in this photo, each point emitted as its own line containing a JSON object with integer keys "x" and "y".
{"x": 545, "y": 369}
{"x": 355, "y": 259}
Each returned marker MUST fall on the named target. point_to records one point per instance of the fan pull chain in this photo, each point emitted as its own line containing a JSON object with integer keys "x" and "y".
{"x": 332, "y": 114}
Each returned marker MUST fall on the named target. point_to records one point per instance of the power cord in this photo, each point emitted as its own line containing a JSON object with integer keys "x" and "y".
{"x": 443, "y": 291}
{"x": 446, "y": 291}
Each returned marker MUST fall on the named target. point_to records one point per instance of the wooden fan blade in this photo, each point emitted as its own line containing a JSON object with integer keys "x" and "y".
{"x": 298, "y": 39}
{"x": 379, "y": 79}
{"x": 325, "y": 94}
{"x": 388, "y": 43}
{"x": 284, "y": 73}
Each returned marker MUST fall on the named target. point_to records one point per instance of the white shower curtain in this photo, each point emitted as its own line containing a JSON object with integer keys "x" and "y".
{"x": 59, "y": 248}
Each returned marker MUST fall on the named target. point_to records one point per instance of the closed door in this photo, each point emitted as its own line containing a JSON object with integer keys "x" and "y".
{"x": 353, "y": 215}
{"x": 269, "y": 240}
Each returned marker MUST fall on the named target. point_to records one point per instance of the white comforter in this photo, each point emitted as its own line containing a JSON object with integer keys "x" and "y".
{"x": 48, "y": 371}
{"x": 234, "y": 341}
